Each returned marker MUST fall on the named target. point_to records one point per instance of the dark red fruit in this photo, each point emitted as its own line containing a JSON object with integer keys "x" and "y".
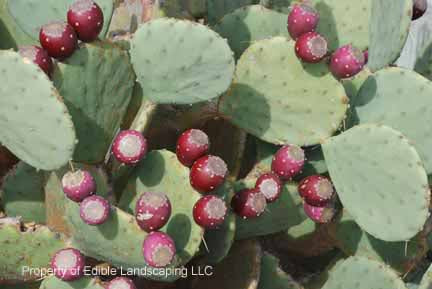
{"x": 316, "y": 190}
{"x": 302, "y": 19}
{"x": 346, "y": 61}
{"x": 320, "y": 214}
{"x": 288, "y": 161}
{"x": 311, "y": 47}
{"x": 249, "y": 203}
{"x": 58, "y": 39}
{"x": 270, "y": 185}
{"x": 152, "y": 211}
{"x": 210, "y": 211}
{"x": 191, "y": 145}
{"x": 208, "y": 173}
{"x": 86, "y": 17}
{"x": 38, "y": 56}
{"x": 419, "y": 8}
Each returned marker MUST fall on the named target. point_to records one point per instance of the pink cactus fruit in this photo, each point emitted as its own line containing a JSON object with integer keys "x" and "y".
{"x": 209, "y": 211}
{"x": 58, "y": 39}
{"x": 68, "y": 264}
{"x": 288, "y": 161}
{"x": 158, "y": 249}
{"x": 94, "y": 210}
{"x": 121, "y": 283}
{"x": 270, "y": 185}
{"x": 316, "y": 190}
{"x": 249, "y": 203}
{"x": 208, "y": 173}
{"x": 38, "y": 56}
{"x": 191, "y": 145}
{"x": 320, "y": 214}
{"x": 346, "y": 61}
{"x": 86, "y": 17}
{"x": 152, "y": 211}
{"x": 302, "y": 19}
{"x": 129, "y": 147}
{"x": 77, "y": 185}
{"x": 311, "y": 47}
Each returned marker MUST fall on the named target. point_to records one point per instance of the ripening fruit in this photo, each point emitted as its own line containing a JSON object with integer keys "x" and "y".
{"x": 94, "y": 210}
{"x": 78, "y": 185}
{"x": 209, "y": 212}
{"x": 86, "y": 17}
{"x": 302, "y": 19}
{"x": 346, "y": 62}
{"x": 316, "y": 190}
{"x": 152, "y": 211}
{"x": 58, "y": 39}
{"x": 158, "y": 249}
{"x": 208, "y": 173}
{"x": 249, "y": 203}
{"x": 288, "y": 162}
{"x": 320, "y": 214}
{"x": 270, "y": 185}
{"x": 311, "y": 47}
{"x": 38, "y": 56}
{"x": 68, "y": 264}
{"x": 191, "y": 145}
{"x": 129, "y": 147}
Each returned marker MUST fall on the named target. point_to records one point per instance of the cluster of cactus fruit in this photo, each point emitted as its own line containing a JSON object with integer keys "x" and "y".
{"x": 230, "y": 138}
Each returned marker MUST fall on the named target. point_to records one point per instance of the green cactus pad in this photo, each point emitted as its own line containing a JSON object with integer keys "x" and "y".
{"x": 11, "y": 34}
{"x": 380, "y": 180}
{"x": 23, "y": 194}
{"x": 280, "y": 100}
{"x": 97, "y": 83}
{"x": 282, "y": 6}
{"x": 248, "y": 24}
{"x": 83, "y": 283}
{"x": 217, "y": 9}
{"x": 408, "y": 94}
{"x": 389, "y": 26}
{"x": 36, "y": 125}
{"x": 352, "y": 85}
{"x": 273, "y": 277}
{"x": 362, "y": 273}
{"x": 426, "y": 281}
{"x": 197, "y": 8}
{"x": 423, "y": 64}
{"x": 32, "y": 14}
{"x": 191, "y": 63}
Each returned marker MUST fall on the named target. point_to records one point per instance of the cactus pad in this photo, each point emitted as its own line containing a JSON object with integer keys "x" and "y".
{"x": 191, "y": 63}
{"x": 280, "y": 100}
{"x": 273, "y": 277}
{"x": 426, "y": 281}
{"x": 282, "y": 6}
{"x": 47, "y": 139}
{"x": 217, "y": 9}
{"x": 83, "y": 283}
{"x": 367, "y": 155}
{"x": 11, "y": 34}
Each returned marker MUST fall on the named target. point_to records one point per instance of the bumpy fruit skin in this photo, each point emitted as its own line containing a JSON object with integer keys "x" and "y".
{"x": 249, "y": 203}
{"x": 316, "y": 190}
{"x": 346, "y": 61}
{"x": 288, "y": 161}
{"x": 320, "y": 214}
{"x": 129, "y": 147}
{"x": 208, "y": 173}
{"x": 121, "y": 283}
{"x": 58, "y": 39}
{"x": 94, "y": 210}
{"x": 419, "y": 8}
{"x": 86, "y": 17}
{"x": 311, "y": 47}
{"x": 68, "y": 264}
{"x": 152, "y": 211}
{"x": 270, "y": 185}
{"x": 209, "y": 212}
{"x": 191, "y": 145}
{"x": 302, "y": 19}
{"x": 38, "y": 56}
{"x": 158, "y": 249}
{"x": 78, "y": 185}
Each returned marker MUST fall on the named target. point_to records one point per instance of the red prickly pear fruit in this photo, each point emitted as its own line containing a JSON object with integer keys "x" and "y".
{"x": 366, "y": 56}
{"x": 94, "y": 210}
{"x": 152, "y": 211}
{"x": 86, "y": 17}
{"x": 191, "y": 145}
{"x": 270, "y": 185}
{"x": 302, "y": 19}
{"x": 68, "y": 264}
{"x": 288, "y": 161}
{"x": 346, "y": 61}
{"x": 208, "y": 173}
{"x": 209, "y": 212}
{"x": 121, "y": 283}
{"x": 78, "y": 185}
{"x": 316, "y": 190}
{"x": 38, "y": 56}
{"x": 158, "y": 249}
{"x": 249, "y": 203}
{"x": 311, "y": 47}
{"x": 58, "y": 39}
{"x": 129, "y": 147}
{"x": 320, "y": 214}
{"x": 419, "y": 8}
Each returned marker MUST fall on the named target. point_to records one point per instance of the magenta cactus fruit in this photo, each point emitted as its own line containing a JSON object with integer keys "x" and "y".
{"x": 316, "y": 190}
{"x": 302, "y": 19}
{"x": 311, "y": 47}
{"x": 419, "y": 8}
{"x": 270, "y": 185}
{"x": 129, "y": 147}
{"x": 86, "y": 17}
{"x": 209, "y": 212}
{"x": 78, "y": 185}
{"x": 38, "y": 56}
{"x": 346, "y": 61}
{"x": 158, "y": 249}
{"x": 208, "y": 173}
{"x": 320, "y": 214}
{"x": 249, "y": 203}
{"x": 191, "y": 145}
{"x": 68, "y": 264}
{"x": 94, "y": 210}
{"x": 288, "y": 161}
{"x": 152, "y": 211}
{"x": 120, "y": 283}
{"x": 58, "y": 39}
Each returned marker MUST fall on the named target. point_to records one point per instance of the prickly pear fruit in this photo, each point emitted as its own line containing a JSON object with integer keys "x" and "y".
{"x": 302, "y": 19}
{"x": 158, "y": 249}
{"x": 208, "y": 173}
{"x": 68, "y": 264}
{"x": 209, "y": 212}
{"x": 86, "y": 17}
{"x": 270, "y": 185}
{"x": 152, "y": 211}
{"x": 94, "y": 210}
{"x": 191, "y": 145}
{"x": 316, "y": 190}
{"x": 249, "y": 203}
{"x": 419, "y": 8}
{"x": 346, "y": 61}
{"x": 58, "y": 39}
{"x": 311, "y": 47}
{"x": 121, "y": 283}
{"x": 77, "y": 185}
{"x": 288, "y": 161}
{"x": 38, "y": 56}
{"x": 129, "y": 146}
{"x": 320, "y": 214}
